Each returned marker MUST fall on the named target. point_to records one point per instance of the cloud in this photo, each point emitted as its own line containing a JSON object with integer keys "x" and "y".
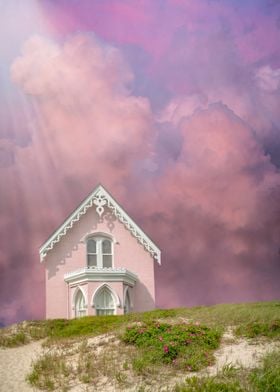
{"x": 214, "y": 213}
{"x": 178, "y": 117}
{"x": 86, "y": 128}
{"x": 81, "y": 90}
{"x": 268, "y": 79}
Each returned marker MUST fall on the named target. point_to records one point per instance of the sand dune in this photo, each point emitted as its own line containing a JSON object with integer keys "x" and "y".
{"x": 15, "y": 363}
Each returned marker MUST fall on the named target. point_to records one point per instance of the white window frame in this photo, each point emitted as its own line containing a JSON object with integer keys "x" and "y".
{"x": 99, "y": 254}
{"x": 114, "y": 295}
{"x": 98, "y": 308}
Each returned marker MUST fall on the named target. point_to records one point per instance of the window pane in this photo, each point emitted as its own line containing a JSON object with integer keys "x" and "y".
{"x": 81, "y": 302}
{"x": 106, "y": 246}
{"x": 107, "y": 261}
{"x": 108, "y": 299}
{"x": 92, "y": 260}
{"x": 91, "y": 246}
{"x": 104, "y": 312}
{"x": 101, "y": 300}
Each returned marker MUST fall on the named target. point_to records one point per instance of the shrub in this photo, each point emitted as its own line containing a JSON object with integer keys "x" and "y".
{"x": 187, "y": 346}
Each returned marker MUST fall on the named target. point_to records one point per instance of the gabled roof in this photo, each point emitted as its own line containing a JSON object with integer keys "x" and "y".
{"x": 100, "y": 198}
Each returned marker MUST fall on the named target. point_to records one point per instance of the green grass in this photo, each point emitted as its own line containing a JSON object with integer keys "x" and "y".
{"x": 158, "y": 343}
{"x": 269, "y": 329}
{"x": 239, "y": 315}
{"x": 50, "y": 372}
{"x": 209, "y": 384}
{"x": 17, "y": 339}
{"x": 218, "y": 315}
{"x": 265, "y": 378}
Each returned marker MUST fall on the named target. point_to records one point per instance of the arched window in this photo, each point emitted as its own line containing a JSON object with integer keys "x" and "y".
{"x": 104, "y": 302}
{"x": 99, "y": 252}
{"x": 80, "y": 304}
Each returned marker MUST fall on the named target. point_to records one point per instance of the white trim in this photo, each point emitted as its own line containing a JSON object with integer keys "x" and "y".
{"x": 100, "y": 198}
{"x": 99, "y": 234}
{"x": 77, "y": 288}
{"x": 100, "y": 274}
{"x": 114, "y": 294}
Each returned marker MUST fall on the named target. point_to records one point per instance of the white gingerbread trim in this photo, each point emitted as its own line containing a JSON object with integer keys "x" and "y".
{"x": 100, "y": 198}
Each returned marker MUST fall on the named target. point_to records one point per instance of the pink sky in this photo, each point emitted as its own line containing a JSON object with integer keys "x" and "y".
{"x": 171, "y": 105}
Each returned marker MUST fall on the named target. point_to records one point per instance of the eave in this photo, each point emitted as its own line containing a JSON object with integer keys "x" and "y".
{"x": 100, "y": 198}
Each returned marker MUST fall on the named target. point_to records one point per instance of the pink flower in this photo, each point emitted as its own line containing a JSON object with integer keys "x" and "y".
{"x": 165, "y": 349}
{"x": 189, "y": 367}
{"x": 160, "y": 338}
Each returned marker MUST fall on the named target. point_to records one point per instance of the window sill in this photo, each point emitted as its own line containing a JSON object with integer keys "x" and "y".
{"x": 95, "y": 274}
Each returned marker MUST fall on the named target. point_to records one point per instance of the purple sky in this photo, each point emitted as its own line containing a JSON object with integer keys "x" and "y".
{"x": 172, "y": 105}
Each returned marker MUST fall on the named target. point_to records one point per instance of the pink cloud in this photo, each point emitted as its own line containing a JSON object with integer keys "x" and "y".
{"x": 195, "y": 172}
{"x": 87, "y": 128}
{"x": 80, "y": 90}
{"x": 214, "y": 212}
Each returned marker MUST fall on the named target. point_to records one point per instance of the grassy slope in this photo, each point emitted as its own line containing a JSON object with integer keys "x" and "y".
{"x": 239, "y": 315}
{"x": 250, "y": 320}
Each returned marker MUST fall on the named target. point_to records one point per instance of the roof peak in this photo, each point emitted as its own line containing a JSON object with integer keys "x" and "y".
{"x": 100, "y": 198}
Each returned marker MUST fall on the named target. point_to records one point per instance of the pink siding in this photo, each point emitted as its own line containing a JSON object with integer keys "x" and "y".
{"x": 70, "y": 254}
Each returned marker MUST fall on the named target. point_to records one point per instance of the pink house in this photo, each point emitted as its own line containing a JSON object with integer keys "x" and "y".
{"x": 99, "y": 262}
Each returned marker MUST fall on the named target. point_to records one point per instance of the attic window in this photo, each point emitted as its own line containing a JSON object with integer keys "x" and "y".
{"x": 99, "y": 252}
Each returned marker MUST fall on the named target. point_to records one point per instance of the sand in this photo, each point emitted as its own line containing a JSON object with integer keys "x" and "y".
{"x": 15, "y": 363}
{"x": 240, "y": 352}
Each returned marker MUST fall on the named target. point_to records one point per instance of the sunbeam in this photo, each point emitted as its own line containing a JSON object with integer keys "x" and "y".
{"x": 174, "y": 107}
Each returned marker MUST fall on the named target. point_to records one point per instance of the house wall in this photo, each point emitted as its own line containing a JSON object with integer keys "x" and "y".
{"x": 70, "y": 254}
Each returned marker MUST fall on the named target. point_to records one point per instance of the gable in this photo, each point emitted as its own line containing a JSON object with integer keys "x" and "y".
{"x": 100, "y": 199}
